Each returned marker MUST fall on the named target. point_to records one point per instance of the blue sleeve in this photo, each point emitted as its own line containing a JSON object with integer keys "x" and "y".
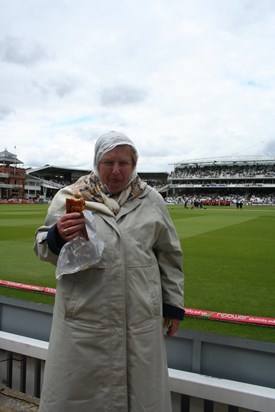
{"x": 54, "y": 240}
{"x": 172, "y": 312}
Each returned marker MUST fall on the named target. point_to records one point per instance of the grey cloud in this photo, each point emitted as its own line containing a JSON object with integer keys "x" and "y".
{"x": 21, "y": 51}
{"x": 60, "y": 85}
{"x": 270, "y": 148}
{"x": 121, "y": 95}
{"x": 5, "y": 111}
{"x": 64, "y": 86}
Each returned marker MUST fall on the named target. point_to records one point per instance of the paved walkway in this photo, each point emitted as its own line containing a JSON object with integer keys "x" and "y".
{"x": 13, "y": 401}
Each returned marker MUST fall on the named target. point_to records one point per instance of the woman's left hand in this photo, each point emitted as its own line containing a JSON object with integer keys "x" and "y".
{"x": 172, "y": 326}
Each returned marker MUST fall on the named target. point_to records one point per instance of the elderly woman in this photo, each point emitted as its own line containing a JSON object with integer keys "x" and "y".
{"x": 107, "y": 350}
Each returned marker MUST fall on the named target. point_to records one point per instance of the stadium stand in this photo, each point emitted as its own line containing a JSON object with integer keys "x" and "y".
{"x": 221, "y": 181}
{"x": 52, "y": 178}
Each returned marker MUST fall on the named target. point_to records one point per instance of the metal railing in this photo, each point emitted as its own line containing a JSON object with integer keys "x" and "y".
{"x": 208, "y": 372}
{"x": 22, "y": 361}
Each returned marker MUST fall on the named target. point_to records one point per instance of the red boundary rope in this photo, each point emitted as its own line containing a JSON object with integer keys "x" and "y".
{"x": 197, "y": 313}
{"x": 30, "y": 288}
{"x": 230, "y": 317}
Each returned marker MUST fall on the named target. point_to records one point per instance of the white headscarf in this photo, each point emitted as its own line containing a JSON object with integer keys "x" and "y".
{"x": 108, "y": 141}
{"x": 90, "y": 188}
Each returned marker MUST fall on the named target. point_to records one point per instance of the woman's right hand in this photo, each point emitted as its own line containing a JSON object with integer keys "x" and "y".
{"x": 71, "y": 225}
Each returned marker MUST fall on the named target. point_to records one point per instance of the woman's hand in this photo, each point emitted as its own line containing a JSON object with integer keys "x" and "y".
{"x": 172, "y": 326}
{"x": 70, "y": 226}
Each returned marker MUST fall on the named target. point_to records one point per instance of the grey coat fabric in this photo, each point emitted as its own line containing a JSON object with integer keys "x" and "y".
{"x": 107, "y": 350}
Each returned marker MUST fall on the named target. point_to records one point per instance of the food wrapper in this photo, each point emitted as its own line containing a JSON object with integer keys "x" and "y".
{"x": 80, "y": 254}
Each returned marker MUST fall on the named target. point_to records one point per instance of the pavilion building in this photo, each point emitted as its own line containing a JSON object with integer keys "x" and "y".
{"x": 12, "y": 176}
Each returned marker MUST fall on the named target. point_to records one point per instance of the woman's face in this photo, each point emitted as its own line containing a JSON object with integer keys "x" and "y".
{"x": 115, "y": 168}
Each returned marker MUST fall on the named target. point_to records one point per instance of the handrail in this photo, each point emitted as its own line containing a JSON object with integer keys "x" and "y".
{"x": 33, "y": 348}
{"x": 243, "y": 395}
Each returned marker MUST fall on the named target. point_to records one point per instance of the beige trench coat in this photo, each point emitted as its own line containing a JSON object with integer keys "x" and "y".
{"x": 107, "y": 350}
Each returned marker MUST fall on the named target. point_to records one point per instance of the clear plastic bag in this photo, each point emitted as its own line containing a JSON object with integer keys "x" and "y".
{"x": 80, "y": 254}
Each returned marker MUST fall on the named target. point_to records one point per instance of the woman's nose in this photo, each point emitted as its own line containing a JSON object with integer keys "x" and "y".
{"x": 116, "y": 168}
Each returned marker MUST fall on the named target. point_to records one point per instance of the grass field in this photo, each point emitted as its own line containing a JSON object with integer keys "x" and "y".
{"x": 229, "y": 262}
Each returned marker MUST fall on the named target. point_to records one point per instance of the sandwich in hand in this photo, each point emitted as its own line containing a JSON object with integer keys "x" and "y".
{"x": 76, "y": 205}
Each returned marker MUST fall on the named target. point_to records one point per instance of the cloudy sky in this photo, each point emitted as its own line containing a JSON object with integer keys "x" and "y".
{"x": 185, "y": 79}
